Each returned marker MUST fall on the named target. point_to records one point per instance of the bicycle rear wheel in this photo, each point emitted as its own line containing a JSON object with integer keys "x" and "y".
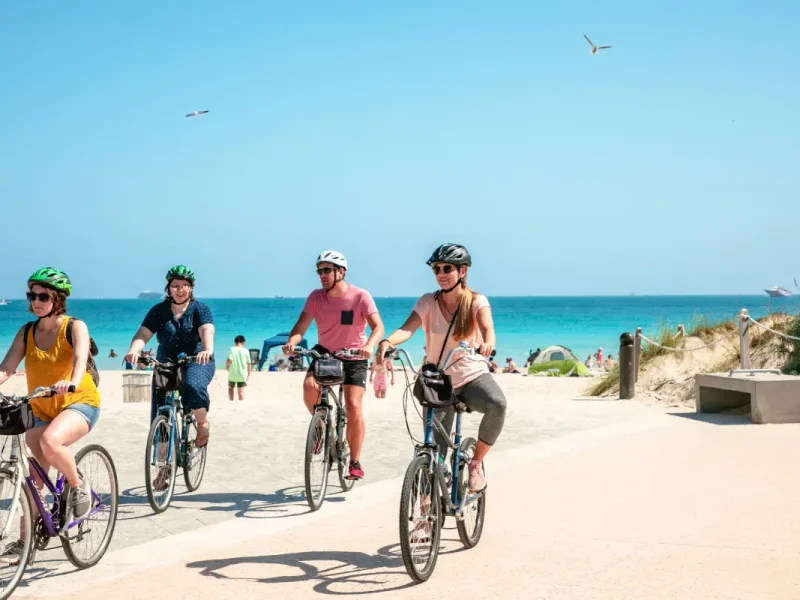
{"x": 470, "y": 522}
{"x": 20, "y": 521}
{"x": 87, "y": 542}
{"x": 316, "y": 461}
{"x": 194, "y": 458}
{"x": 159, "y": 469}
{"x": 420, "y": 525}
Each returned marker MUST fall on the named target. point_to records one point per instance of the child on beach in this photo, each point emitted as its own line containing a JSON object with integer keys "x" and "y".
{"x": 378, "y": 377}
{"x": 238, "y": 366}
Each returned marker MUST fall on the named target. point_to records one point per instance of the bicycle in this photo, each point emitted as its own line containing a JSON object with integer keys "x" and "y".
{"x": 326, "y": 442}
{"x": 171, "y": 441}
{"x": 425, "y": 500}
{"x": 78, "y": 537}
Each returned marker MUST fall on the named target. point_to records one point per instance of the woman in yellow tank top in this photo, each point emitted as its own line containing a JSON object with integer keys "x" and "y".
{"x": 50, "y": 361}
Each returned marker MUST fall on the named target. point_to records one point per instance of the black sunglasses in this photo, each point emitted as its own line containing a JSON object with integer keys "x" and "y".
{"x": 446, "y": 269}
{"x": 325, "y": 271}
{"x": 41, "y": 296}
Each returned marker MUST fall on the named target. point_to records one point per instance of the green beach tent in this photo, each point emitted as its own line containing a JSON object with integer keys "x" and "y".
{"x": 558, "y": 361}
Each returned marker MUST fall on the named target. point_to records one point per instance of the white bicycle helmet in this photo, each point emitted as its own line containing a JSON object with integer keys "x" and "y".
{"x": 333, "y": 257}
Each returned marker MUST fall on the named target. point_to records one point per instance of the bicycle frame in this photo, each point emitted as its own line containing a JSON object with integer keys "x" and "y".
{"x": 171, "y": 408}
{"x": 28, "y": 465}
{"x": 341, "y": 413}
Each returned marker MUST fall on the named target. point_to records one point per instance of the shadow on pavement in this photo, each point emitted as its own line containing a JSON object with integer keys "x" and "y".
{"x": 713, "y": 418}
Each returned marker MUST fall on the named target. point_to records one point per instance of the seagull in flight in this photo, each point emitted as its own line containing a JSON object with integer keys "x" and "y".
{"x": 197, "y": 113}
{"x": 594, "y": 49}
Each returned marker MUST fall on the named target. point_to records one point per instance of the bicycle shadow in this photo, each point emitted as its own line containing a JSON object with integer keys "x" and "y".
{"x": 342, "y": 573}
{"x": 285, "y": 502}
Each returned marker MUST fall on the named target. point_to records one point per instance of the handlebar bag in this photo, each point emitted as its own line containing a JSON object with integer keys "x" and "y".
{"x": 16, "y": 419}
{"x": 168, "y": 377}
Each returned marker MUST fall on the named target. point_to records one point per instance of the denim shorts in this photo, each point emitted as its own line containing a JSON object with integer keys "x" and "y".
{"x": 90, "y": 413}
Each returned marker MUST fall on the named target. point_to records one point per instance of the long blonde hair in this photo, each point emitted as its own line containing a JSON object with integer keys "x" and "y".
{"x": 464, "y": 325}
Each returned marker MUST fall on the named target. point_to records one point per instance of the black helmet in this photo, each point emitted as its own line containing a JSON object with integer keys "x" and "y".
{"x": 454, "y": 254}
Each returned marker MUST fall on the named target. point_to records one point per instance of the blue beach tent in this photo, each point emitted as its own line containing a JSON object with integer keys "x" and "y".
{"x": 277, "y": 341}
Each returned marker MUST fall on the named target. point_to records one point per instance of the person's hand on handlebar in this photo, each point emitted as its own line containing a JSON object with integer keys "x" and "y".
{"x": 132, "y": 358}
{"x": 288, "y": 349}
{"x": 383, "y": 348}
{"x": 63, "y": 387}
{"x": 204, "y": 357}
{"x": 365, "y": 352}
{"x": 485, "y": 349}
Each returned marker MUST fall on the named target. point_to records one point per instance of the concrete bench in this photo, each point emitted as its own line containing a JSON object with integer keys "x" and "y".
{"x": 772, "y": 398}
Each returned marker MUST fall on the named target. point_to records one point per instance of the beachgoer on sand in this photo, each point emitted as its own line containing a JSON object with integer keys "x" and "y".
{"x": 181, "y": 324}
{"x": 379, "y": 376}
{"x": 453, "y": 314}
{"x": 342, "y": 312}
{"x": 63, "y": 419}
{"x": 238, "y": 366}
{"x": 511, "y": 366}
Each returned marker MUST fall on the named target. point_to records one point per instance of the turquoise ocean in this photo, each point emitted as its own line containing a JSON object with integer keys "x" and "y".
{"x": 522, "y": 323}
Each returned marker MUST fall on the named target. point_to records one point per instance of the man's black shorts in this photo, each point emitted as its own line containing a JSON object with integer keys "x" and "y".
{"x": 355, "y": 371}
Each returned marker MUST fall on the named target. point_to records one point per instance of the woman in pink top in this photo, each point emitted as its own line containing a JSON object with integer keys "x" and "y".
{"x": 471, "y": 318}
{"x": 342, "y": 312}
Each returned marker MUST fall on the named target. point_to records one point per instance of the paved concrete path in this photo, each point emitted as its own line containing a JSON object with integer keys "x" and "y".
{"x": 588, "y": 499}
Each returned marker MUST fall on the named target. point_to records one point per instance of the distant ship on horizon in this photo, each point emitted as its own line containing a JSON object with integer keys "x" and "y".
{"x": 777, "y": 291}
{"x": 147, "y": 295}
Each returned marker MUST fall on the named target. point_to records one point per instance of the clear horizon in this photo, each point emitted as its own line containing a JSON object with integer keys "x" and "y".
{"x": 665, "y": 164}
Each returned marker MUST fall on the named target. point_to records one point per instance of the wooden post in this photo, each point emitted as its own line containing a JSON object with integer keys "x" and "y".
{"x": 637, "y": 353}
{"x": 744, "y": 339}
{"x": 627, "y": 371}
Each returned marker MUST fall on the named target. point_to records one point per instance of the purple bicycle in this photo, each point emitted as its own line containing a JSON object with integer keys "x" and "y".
{"x": 85, "y": 541}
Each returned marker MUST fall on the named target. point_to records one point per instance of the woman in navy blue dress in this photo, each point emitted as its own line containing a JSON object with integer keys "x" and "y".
{"x": 181, "y": 324}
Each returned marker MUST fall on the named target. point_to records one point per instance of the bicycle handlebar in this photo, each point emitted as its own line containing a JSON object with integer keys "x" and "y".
{"x": 472, "y": 353}
{"x": 344, "y": 353}
{"x": 183, "y": 359}
{"x": 40, "y": 392}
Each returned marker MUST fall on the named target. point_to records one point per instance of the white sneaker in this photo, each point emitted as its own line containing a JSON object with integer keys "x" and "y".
{"x": 80, "y": 500}
{"x": 477, "y": 477}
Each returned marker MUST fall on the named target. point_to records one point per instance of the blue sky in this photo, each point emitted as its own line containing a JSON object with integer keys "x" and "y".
{"x": 667, "y": 164}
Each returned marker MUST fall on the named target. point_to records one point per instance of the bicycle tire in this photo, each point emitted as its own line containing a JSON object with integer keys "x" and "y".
{"x": 67, "y": 541}
{"x": 318, "y": 421}
{"x": 193, "y": 474}
{"x": 161, "y": 424}
{"x": 419, "y": 472}
{"x": 29, "y": 547}
{"x": 470, "y": 536}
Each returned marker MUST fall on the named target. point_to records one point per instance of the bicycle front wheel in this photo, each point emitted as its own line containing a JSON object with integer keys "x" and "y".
{"x": 194, "y": 458}
{"x": 159, "y": 468}
{"x": 86, "y": 542}
{"x": 470, "y": 522}
{"x": 316, "y": 461}
{"x": 18, "y": 548}
{"x": 420, "y": 525}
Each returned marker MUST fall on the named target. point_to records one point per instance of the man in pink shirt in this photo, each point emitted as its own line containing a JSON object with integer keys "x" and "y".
{"x": 342, "y": 312}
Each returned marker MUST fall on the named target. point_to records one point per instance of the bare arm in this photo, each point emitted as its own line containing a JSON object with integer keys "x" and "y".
{"x": 486, "y": 326}
{"x": 207, "y": 337}
{"x": 376, "y": 325}
{"x": 14, "y": 356}
{"x": 80, "y": 351}
{"x": 298, "y": 331}
{"x": 140, "y": 339}
{"x": 406, "y": 330}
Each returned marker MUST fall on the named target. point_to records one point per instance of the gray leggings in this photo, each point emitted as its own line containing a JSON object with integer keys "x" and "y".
{"x": 482, "y": 395}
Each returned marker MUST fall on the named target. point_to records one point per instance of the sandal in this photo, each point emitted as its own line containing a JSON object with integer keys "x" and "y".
{"x": 203, "y": 434}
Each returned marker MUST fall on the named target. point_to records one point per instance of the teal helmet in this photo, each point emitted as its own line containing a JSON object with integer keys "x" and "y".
{"x": 53, "y": 278}
{"x": 180, "y": 272}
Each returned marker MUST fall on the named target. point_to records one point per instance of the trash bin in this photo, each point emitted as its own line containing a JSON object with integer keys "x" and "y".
{"x": 136, "y": 386}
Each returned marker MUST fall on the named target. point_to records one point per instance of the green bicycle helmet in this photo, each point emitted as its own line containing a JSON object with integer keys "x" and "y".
{"x": 180, "y": 272}
{"x": 50, "y": 277}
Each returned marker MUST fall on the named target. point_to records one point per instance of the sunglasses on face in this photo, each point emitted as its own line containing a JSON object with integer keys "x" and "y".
{"x": 41, "y": 296}
{"x": 325, "y": 271}
{"x": 178, "y": 286}
{"x": 446, "y": 269}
